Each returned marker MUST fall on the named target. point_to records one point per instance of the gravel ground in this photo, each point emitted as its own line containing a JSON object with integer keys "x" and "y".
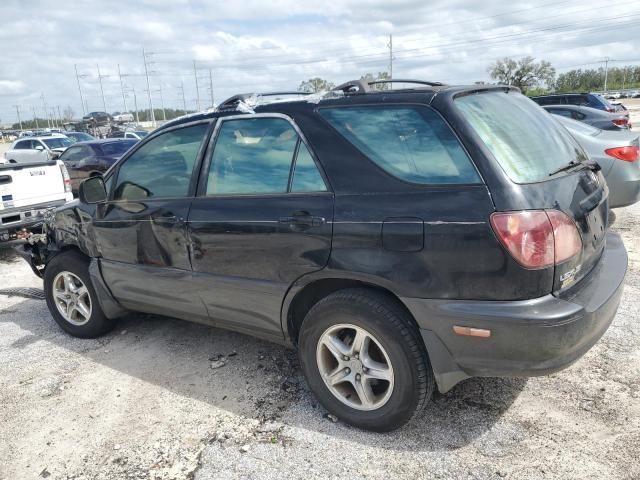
{"x": 145, "y": 403}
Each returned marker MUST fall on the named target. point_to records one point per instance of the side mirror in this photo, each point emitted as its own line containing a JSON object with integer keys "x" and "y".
{"x": 39, "y": 148}
{"x": 92, "y": 190}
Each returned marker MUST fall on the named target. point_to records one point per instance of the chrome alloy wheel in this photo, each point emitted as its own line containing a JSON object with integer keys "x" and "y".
{"x": 354, "y": 366}
{"x": 72, "y": 298}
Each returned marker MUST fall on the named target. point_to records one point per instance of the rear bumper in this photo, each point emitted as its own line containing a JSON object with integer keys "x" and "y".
{"x": 13, "y": 219}
{"x": 528, "y": 337}
{"x": 624, "y": 184}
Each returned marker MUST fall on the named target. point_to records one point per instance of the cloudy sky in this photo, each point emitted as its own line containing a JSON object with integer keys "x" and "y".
{"x": 274, "y": 45}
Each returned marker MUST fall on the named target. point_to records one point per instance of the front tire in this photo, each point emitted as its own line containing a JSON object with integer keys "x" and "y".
{"x": 71, "y": 298}
{"x": 364, "y": 359}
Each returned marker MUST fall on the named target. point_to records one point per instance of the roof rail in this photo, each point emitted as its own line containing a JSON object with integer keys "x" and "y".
{"x": 405, "y": 80}
{"x": 353, "y": 87}
{"x": 232, "y": 102}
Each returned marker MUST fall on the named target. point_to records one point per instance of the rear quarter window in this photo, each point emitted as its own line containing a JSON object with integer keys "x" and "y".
{"x": 410, "y": 142}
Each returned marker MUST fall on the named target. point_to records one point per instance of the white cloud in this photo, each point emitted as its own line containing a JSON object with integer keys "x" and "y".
{"x": 259, "y": 45}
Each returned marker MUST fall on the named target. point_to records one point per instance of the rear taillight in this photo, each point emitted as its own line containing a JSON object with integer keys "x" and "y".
{"x": 65, "y": 177}
{"x": 630, "y": 153}
{"x": 537, "y": 238}
{"x": 621, "y": 122}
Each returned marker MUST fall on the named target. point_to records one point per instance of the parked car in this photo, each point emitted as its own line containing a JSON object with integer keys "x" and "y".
{"x": 137, "y": 134}
{"x": 97, "y": 118}
{"x": 634, "y": 94}
{"x": 401, "y": 240}
{"x": 87, "y": 159}
{"x": 621, "y": 109}
{"x": 617, "y": 153}
{"x": 591, "y": 116}
{"x": 27, "y": 194}
{"x": 612, "y": 95}
{"x": 592, "y": 100}
{"x": 122, "y": 117}
{"x": 37, "y": 149}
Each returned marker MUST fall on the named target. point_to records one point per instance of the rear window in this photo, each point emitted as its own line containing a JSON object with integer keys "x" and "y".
{"x": 522, "y": 137}
{"x": 578, "y": 127}
{"x": 412, "y": 143}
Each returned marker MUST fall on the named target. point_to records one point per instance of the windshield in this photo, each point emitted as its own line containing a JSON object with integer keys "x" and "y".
{"x": 141, "y": 133}
{"x": 57, "y": 142}
{"x": 116, "y": 149}
{"x": 522, "y": 136}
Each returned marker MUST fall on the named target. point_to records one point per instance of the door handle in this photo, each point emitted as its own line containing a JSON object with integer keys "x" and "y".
{"x": 168, "y": 219}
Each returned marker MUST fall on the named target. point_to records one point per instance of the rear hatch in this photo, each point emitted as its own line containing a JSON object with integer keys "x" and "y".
{"x": 24, "y": 185}
{"x": 534, "y": 164}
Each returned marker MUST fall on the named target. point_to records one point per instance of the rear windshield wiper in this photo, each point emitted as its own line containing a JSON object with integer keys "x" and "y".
{"x": 590, "y": 164}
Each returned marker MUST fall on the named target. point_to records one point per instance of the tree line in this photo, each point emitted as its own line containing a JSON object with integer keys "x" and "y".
{"x": 535, "y": 77}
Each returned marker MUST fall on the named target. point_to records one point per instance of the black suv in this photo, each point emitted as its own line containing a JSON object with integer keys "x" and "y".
{"x": 401, "y": 240}
{"x": 97, "y": 118}
{"x": 580, "y": 99}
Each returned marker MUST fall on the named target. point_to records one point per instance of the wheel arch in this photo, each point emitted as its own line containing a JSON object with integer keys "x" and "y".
{"x": 304, "y": 296}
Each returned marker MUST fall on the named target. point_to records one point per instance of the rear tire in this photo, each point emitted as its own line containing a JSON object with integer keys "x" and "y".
{"x": 71, "y": 298}
{"x": 358, "y": 344}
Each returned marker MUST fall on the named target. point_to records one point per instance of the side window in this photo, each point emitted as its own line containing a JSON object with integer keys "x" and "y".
{"x": 162, "y": 167}
{"x": 411, "y": 143}
{"x": 578, "y": 115}
{"x": 23, "y": 145}
{"x": 577, "y": 100}
{"x": 71, "y": 154}
{"x": 252, "y": 155}
{"x": 306, "y": 177}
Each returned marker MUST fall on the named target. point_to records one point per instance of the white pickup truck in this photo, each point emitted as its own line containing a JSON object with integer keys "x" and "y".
{"x": 27, "y": 192}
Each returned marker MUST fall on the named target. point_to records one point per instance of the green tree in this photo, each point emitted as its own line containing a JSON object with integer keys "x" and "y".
{"x": 525, "y": 73}
{"x": 314, "y": 85}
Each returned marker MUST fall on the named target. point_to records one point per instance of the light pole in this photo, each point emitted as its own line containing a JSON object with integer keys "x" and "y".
{"x": 18, "y": 112}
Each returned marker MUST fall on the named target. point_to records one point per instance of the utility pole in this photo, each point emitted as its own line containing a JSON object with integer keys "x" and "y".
{"x": 35, "y": 117}
{"x": 135, "y": 104}
{"x": 624, "y": 77}
{"x": 146, "y": 73}
{"x": 606, "y": 72}
{"x": 46, "y": 114}
{"x": 104, "y": 104}
{"x": 184, "y": 101}
{"x": 79, "y": 89}
{"x": 195, "y": 73}
{"x": 18, "y": 112}
{"x": 390, "y": 45}
{"x": 124, "y": 98}
{"x": 60, "y": 116}
{"x": 164, "y": 115}
{"x": 211, "y": 87}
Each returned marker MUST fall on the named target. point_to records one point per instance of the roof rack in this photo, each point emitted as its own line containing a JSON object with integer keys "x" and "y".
{"x": 353, "y": 87}
{"x": 232, "y": 102}
{"x": 357, "y": 87}
{"x": 405, "y": 80}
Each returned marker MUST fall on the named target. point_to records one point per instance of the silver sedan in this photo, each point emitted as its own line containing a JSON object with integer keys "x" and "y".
{"x": 618, "y": 154}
